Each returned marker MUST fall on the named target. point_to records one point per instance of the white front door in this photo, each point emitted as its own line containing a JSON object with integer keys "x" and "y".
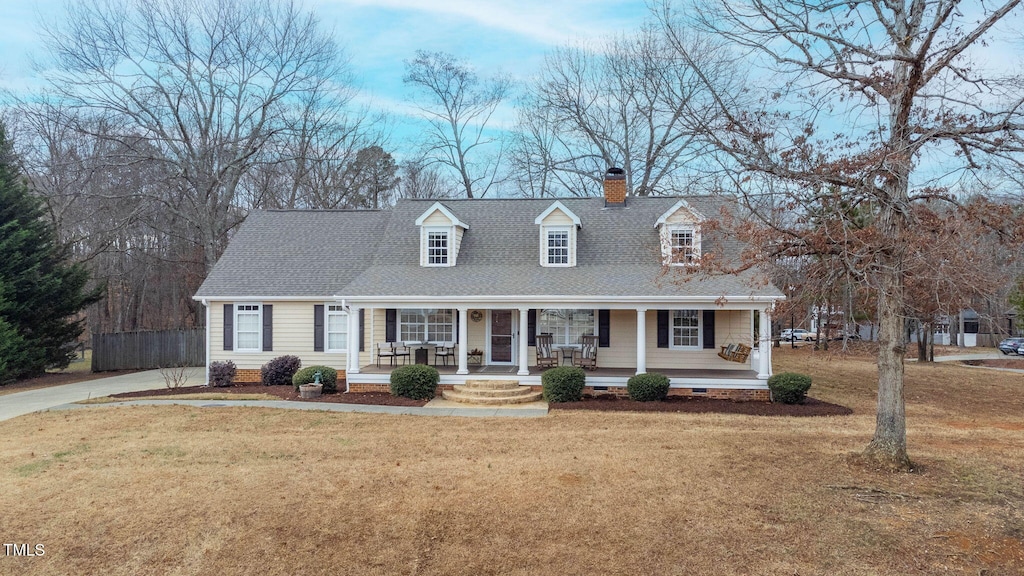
{"x": 501, "y": 336}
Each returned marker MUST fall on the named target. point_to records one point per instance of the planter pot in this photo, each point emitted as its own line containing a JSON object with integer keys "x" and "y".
{"x": 311, "y": 390}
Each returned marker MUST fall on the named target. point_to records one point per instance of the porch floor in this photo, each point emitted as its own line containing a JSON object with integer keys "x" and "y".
{"x": 599, "y": 372}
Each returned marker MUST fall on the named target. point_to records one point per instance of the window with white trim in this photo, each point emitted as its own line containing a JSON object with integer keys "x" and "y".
{"x": 558, "y": 246}
{"x": 437, "y": 248}
{"x": 336, "y": 326}
{"x": 248, "y": 328}
{"x": 682, "y": 244}
{"x": 686, "y": 329}
{"x": 426, "y": 325}
{"x": 566, "y": 326}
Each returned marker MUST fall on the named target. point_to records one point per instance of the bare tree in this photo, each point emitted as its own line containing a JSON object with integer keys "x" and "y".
{"x": 856, "y": 97}
{"x": 203, "y": 87}
{"x": 626, "y": 103}
{"x": 458, "y": 105}
{"x": 419, "y": 180}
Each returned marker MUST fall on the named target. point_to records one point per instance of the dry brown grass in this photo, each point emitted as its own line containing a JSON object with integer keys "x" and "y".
{"x": 178, "y": 490}
{"x": 200, "y": 396}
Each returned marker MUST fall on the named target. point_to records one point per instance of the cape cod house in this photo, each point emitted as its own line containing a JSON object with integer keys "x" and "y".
{"x": 338, "y": 287}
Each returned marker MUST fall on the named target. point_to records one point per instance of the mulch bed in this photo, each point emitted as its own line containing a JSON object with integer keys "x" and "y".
{"x": 606, "y": 402}
{"x": 612, "y": 403}
{"x": 283, "y": 392}
{"x": 1009, "y": 362}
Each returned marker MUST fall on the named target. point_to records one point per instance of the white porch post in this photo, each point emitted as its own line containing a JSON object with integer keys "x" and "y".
{"x": 641, "y": 340}
{"x": 524, "y": 328}
{"x": 463, "y": 341}
{"x": 765, "y": 346}
{"x": 353, "y": 341}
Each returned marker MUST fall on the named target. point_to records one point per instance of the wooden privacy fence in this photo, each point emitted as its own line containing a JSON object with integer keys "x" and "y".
{"x": 148, "y": 350}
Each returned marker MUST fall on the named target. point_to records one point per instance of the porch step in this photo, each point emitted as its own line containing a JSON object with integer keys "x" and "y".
{"x": 491, "y": 392}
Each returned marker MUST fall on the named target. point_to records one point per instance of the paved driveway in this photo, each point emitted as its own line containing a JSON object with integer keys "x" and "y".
{"x": 13, "y": 405}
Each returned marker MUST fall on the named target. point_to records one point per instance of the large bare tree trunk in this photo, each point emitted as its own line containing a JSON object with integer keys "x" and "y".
{"x": 888, "y": 447}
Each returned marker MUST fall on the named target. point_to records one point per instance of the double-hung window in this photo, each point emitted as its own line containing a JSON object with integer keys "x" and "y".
{"x": 437, "y": 247}
{"x": 566, "y": 326}
{"x": 248, "y": 326}
{"x": 558, "y": 246}
{"x": 682, "y": 244}
{"x": 426, "y": 325}
{"x": 337, "y": 328}
{"x": 685, "y": 329}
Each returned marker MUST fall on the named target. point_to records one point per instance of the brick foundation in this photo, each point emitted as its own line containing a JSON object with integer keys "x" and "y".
{"x": 357, "y": 387}
{"x": 716, "y": 393}
{"x": 254, "y": 376}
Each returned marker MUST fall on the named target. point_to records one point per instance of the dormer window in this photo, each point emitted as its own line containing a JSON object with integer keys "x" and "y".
{"x": 441, "y": 233}
{"x": 558, "y": 246}
{"x": 437, "y": 247}
{"x": 679, "y": 229}
{"x": 682, "y": 244}
{"x": 558, "y": 226}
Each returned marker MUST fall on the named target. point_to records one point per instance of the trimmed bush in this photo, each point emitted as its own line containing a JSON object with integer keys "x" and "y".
{"x": 789, "y": 387}
{"x": 563, "y": 384}
{"x": 280, "y": 370}
{"x": 416, "y": 381}
{"x": 222, "y": 374}
{"x": 328, "y": 378}
{"x": 647, "y": 387}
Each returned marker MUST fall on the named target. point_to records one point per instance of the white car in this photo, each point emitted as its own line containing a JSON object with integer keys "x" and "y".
{"x": 799, "y": 334}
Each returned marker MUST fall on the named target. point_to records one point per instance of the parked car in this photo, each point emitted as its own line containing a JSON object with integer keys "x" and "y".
{"x": 1011, "y": 345}
{"x": 799, "y": 335}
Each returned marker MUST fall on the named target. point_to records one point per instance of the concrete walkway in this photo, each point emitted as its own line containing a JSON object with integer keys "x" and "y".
{"x": 64, "y": 398}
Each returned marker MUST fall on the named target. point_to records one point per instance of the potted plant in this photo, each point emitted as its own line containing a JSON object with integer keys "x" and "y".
{"x": 313, "y": 390}
{"x": 475, "y": 357}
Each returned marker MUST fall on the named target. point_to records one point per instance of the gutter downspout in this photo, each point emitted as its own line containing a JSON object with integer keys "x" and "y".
{"x": 207, "y": 306}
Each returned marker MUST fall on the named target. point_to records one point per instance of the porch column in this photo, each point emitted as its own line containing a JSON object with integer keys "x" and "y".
{"x": 764, "y": 346}
{"x": 524, "y": 340}
{"x": 641, "y": 340}
{"x": 353, "y": 341}
{"x": 463, "y": 341}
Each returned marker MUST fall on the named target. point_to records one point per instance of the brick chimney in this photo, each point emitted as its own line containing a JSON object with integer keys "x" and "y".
{"x": 615, "y": 187}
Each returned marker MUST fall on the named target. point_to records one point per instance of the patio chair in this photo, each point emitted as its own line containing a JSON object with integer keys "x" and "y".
{"x": 546, "y": 357}
{"x": 444, "y": 351}
{"x": 586, "y": 356}
{"x": 386, "y": 350}
{"x": 401, "y": 351}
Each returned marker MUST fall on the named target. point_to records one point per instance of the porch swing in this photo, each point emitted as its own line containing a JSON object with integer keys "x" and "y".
{"x": 735, "y": 352}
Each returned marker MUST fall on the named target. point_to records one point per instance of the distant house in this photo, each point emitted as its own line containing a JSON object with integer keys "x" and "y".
{"x": 336, "y": 287}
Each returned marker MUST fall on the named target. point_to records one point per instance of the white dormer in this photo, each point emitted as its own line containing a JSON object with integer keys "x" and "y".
{"x": 440, "y": 236}
{"x": 679, "y": 230}
{"x": 558, "y": 226}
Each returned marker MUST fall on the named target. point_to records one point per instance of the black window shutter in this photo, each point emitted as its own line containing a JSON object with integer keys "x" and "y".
{"x": 391, "y": 325}
{"x": 362, "y": 329}
{"x": 455, "y": 325}
{"x": 709, "y": 329}
{"x": 318, "y": 328}
{"x": 531, "y": 327}
{"x": 662, "y": 328}
{"x": 229, "y": 326}
{"x": 604, "y": 320}
{"x": 268, "y": 328}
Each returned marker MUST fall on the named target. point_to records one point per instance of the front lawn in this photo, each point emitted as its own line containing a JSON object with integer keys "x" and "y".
{"x": 181, "y": 490}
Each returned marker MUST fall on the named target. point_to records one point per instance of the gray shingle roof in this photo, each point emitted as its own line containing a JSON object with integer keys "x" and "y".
{"x": 360, "y": 253}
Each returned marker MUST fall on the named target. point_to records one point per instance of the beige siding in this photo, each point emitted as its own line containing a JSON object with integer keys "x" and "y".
{"x": 437, "y": 219}
{"x": 459, "y": 231}
{"x": 730, "y": 326}
{"x": 293, "y": 335}
{"x": 556, "y": 218}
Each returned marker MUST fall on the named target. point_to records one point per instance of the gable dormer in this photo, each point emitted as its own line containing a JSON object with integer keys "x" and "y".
{"x": 558, "y": 226}
{"x": 440, "y": 236}
{"x": 679, "y": 231}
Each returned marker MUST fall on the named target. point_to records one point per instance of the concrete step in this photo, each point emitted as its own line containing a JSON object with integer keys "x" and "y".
{"x": 492, "y": 393}
{"x": 492, "y": 384}
{"x": 522, "y": 398}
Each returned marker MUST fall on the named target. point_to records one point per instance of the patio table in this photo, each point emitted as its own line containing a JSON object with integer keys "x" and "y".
{"x": 567, "y": 352}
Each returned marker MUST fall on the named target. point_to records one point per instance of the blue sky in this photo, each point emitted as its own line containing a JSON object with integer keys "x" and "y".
{"x": 510, "y": 36}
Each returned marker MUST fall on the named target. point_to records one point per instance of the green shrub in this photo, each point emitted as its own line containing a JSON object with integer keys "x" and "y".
{"x": 328, "y": 378}
{"x": 563, "y": 384}
{"x": 416, "y": 381}
{"x": 647, "y": 387}
{"x": 280, "y": 370}
{"x": 789, "y": 387}
{"x": 222, "y": 374}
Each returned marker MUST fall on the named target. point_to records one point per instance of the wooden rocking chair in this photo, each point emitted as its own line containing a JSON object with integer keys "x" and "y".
{"x": 546, "y": 357}
{"x": 735, "y": 352}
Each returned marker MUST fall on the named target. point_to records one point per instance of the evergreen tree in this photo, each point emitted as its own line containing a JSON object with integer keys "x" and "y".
{"x": 41, "y": 290}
